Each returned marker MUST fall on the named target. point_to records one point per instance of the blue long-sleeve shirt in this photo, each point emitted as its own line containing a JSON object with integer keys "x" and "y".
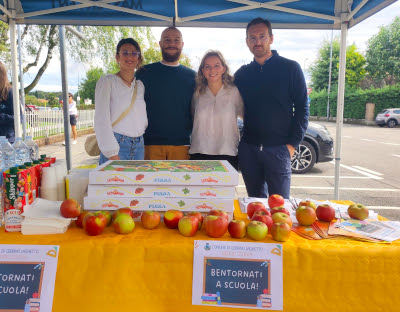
{"x": 275, "y": 102}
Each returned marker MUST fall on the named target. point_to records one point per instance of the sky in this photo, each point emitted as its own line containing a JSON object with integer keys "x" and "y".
{"x": 299, "y": 45}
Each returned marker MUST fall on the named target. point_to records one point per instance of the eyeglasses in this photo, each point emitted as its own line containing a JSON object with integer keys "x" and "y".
{"x": 255, "y": 39}
{"x": 127, "y": 53}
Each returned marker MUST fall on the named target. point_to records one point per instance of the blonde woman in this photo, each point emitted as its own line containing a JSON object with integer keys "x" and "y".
{"x": 120, "y": 116}
{"x": 216, "y": 105}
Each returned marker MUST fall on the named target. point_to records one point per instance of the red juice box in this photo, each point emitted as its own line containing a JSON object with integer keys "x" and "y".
{"x": 31, "y": 182}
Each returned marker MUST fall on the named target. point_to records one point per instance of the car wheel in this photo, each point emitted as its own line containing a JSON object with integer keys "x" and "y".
{"x": 391, "y": 123}
{"x": 304, "y": 158}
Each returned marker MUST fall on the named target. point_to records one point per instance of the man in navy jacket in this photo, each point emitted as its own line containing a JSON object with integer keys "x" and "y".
{"x": 275, "y": 117}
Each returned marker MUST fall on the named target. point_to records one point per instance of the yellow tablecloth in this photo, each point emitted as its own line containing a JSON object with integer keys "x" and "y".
{"x": 152, "y": 271}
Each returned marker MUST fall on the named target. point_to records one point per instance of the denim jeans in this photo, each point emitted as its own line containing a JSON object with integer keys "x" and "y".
{"x": 266, "y": 170}
{"x": 129, "y": 148}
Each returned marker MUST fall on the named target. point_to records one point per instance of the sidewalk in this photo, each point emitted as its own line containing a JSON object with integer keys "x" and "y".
{"x": 78, "y": 154}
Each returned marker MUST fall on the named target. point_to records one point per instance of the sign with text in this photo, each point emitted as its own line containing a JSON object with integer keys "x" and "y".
{"x": 27, "y": 277}
{"x": 233, "y": 274}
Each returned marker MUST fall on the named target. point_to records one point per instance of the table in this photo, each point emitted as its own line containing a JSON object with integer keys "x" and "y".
{"x": 152, "y": 271}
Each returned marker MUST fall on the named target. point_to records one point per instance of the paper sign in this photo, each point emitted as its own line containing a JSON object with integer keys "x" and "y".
{"x": 241, "y": 275}
{"x": 27, "y": 277}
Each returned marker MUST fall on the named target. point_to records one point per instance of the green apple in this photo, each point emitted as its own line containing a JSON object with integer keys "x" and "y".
{"x": 257, "y": 230}
{"x": 358, "y": 211}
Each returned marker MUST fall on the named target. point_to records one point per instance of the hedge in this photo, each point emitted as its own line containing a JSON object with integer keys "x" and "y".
{"x": 355, "y": 101}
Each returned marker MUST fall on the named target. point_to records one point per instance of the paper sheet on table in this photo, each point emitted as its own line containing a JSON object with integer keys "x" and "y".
{"x": 374, "y": 229}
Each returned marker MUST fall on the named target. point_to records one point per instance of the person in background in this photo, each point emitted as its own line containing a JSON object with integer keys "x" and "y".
{"x": 274, "y": 93}
{"x": 6, "y": 106}
{"x": 169, "y": 90}
{"x": 120, "y": 114}
{"x": 73, "y": 115}
{"x": 216, "y": 106}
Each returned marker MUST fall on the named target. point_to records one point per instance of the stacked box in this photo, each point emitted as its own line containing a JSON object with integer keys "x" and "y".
{"x": 187, "y": 185}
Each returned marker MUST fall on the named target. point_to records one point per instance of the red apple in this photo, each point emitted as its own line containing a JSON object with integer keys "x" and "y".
{"x": 188, "y": 225}
{"x": 358, "y": 211}
{"x": 120, "y": 211}
{"x": 275, "y": 200}
{"x": 306, "y": 215}
{"x": 150, "y": 219}
{"x": 281, "y": 217}
{"x": 217, "y": 212}
{"x": 172, "y": 217}
{"x": 79, "y": 221}
{"x": 94, "y": 224}
{"x": 308, "y": 203}
{"x": 108, "y": 216}
{"x": 237, "y": 228}
{"x": 252, "y": 207}
{"x": 264, "y": 217}
{"x": 281, "y": 232}
{"x": 123, "y": 224}
{"x": 70, "y": 208}
{"x": 325, "y": 213}
{"x": 198, "y": 215}
{"x": 257, "y": 230}
{"x": 215, "y": 226}
{"x": 280, "y": 209}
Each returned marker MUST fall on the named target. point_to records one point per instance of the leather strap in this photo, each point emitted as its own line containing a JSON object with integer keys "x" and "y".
{"x": 123, "y": 115}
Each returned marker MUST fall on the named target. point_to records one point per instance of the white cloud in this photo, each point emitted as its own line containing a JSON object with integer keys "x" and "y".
{"x": 299, "y": 45}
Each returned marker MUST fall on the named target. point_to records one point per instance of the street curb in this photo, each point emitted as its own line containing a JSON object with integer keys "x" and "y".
{"x": 353, "y": 121}
{"x": 60, "y": 137}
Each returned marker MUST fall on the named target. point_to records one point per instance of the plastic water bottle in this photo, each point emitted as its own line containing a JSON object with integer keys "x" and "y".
{"x": 1, "y": 153}
{"x": 21, "y": 152}
{"x": 33, "y": 148}
{"x": 7, "y": 155}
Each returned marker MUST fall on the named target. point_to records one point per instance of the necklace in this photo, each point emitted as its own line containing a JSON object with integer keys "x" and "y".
{"x": 129, "y": 83}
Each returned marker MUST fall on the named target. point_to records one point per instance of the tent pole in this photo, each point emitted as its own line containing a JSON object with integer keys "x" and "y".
{"x": 14, "y": 71}
{"x": 340, "y": 102}
{"x": 21, "y": 82}
{"x": 67, "y": 131}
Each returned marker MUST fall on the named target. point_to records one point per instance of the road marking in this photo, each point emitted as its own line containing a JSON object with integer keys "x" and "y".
{"x": 368, "y": 170}
{"x": 368, "y": 140}
{"x": 396, "y": 144}
{"x": 327, "y": 177}
{"x": 362, "y": 172}
{"x": 346, "y": 188}
{"x": 383, "y": 207}
{"x": 395, "y": 155}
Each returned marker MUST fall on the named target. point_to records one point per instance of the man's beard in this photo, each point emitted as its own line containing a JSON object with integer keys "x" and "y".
{"x": 170, "y": 58}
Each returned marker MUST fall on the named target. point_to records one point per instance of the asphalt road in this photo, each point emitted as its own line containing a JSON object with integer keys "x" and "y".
{"x": 369, "y": 171}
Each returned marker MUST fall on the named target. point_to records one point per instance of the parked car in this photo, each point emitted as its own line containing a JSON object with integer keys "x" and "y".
{"x": 389, "y": 117}
{"x": 316, "y": 147}
{"x": 55, "y": 108}
{"x": 31, "y": 108}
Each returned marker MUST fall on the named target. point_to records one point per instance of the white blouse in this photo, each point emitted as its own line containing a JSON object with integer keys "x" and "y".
{"x": 112, "y": 98}
{"x": 215, "y": 130}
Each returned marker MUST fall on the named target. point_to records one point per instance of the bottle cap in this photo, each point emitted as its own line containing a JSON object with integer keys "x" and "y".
{"x": 43, "y": 156}
{"x": 36, "y": 162}
{"x": 28, "y": 163}
{"x": 13, "y": 169}
{"x": 22, "y": 167}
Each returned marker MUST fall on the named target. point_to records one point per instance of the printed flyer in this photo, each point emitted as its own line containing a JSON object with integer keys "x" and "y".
{"x": 27, "y": 277}
{"x": 237, "y": 275}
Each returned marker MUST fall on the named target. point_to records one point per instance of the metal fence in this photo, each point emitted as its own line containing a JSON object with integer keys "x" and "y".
{"x": 44, "y": 123}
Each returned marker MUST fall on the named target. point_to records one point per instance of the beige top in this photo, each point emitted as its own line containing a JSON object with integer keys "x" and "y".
{"x": 215, "y": 130}
{"x": 112, "y": 98}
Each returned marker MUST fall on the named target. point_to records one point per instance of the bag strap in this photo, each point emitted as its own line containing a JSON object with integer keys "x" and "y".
{"x": 123, "y": 115}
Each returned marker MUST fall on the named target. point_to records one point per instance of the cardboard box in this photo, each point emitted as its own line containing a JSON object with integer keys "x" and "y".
{"x": 158, "y": 204}
{"x": 147, "y": 172}
{"x": 161, "y": 191}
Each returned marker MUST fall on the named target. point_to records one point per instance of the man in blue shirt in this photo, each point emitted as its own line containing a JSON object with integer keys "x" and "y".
{"x": 275, "y": 114}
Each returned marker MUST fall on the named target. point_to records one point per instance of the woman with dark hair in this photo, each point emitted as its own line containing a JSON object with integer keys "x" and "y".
{"x": 120, "y": 115}
{"x": 216, "y": 105}
{"x": 6, "y": 106}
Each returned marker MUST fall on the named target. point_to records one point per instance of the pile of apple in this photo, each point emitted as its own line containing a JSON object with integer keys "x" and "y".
{"x": 277, "y": 220}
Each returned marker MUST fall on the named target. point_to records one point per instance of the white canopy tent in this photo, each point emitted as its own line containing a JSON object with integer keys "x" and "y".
{"x": 283, "y": 14}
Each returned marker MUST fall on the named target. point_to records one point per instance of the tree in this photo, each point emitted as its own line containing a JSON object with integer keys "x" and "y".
{"x": 383, "y": 52}
{"x": 40, "y": 42}
{"x": 355, "y": 63}
{"x": 88, "y": 85}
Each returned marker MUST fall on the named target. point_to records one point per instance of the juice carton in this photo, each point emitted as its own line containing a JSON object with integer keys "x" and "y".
{"x": 38, "y": 176}
{"x": 31, "y": 182}
{"x": 14, "y": 199}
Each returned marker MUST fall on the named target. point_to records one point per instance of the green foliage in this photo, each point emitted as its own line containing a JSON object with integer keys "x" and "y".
{"x": 355, "y": 63}
{"x": 53, "y": 100}
{"x": 383, "y": 52}
{"x": 85, "y": 107}
{"x": 354, "y": 101}
{"x": 31, "y": 100}
{"x": 4, "y": 44}
{"x": 88, "y": 85}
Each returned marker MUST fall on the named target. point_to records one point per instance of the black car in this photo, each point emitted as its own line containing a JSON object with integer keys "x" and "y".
{"x": 317, "y": 146}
